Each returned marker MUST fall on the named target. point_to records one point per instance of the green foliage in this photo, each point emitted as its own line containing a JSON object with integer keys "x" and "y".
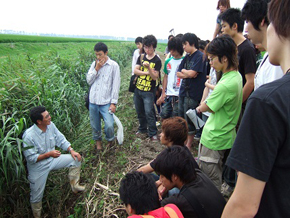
{"x": 53, "y": 75}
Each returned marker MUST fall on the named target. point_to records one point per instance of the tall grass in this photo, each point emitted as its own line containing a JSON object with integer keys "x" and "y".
{"x": 54, "y": 78}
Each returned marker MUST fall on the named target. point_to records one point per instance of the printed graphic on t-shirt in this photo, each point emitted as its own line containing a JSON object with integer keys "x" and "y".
{"x": 144, "y": 83}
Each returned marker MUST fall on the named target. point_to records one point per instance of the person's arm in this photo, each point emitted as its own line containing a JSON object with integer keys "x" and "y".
{"x": 249, "y": 85}
{"x": 204, "y": 94}
{"x": 139, "y": 72}
{"x": 164, "y": 86}
{"x": 203, "y": 108}
{"x": 74, "y": 154}
{"x": 245, "y": 199}
{"x": 152, "y": 72}
{"x": 115, "y": 88}
{"x": 92, "y": 74}
{"x": 209, "y": 85}
{"x": 216, "y": 31}
{"x": 146, "y": 169}
{"x": 183, "y": 74}
{"x": 53, "y": 153}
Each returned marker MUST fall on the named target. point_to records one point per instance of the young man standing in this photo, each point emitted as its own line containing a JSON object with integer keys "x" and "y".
{"x": 40, "y": 141}
{"x": 148, "y": 70}
{"x": 255, "y": 14}
{"x": 261, "y": 150}
{"x": 104, "y": 79}
{"x": 225, "y": 103}
{"x": 171, "y": 83}
{"x": 198, "y": 197}
{"x": 137, "y": 52}
{"x": 192, "y": 71}
{"x": 233, "y": 25}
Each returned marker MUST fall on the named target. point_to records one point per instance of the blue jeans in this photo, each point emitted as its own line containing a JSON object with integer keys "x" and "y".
{"x": 144, "y": 105}
{"x": 96, "y": 113}
{"x": 170, "y": 107}
{"x": 184, "y": 104}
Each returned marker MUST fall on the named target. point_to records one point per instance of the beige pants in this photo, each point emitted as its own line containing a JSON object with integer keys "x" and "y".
{"x": 210, "y": 162}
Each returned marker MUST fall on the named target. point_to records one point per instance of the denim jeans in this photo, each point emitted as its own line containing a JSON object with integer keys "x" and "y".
{"x": 184, "y": 104}
{"x": 144, "y": 105}
{"x": 170, "y": 107}
{"x": 96, "y": 113}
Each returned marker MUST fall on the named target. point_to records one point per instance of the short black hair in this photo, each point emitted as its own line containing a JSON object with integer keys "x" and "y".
{"x": 176, "y": 45}
{"x": 255, "y": 11}
{"x": 100, "y": 46}
{"x": 139, "y": 190}
{"x": 232, "y": 16}
{"x": 176, "y": 160}
{"x": 139, "y": 39}
{"x": 170, "y": 36}
{"x": 150, "y": 40}
{"x": 36, "y": 113}
{"x": 191, "y": 38}
{"x": 202, "y": 44}
{"x": 224, "y": 46}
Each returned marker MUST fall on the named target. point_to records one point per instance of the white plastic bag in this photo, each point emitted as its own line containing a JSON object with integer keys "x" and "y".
{"x": 198, "y": 123}
{"x": 120, "y": 132}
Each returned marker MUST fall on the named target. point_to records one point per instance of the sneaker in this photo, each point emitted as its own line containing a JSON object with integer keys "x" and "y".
{"x": 227, "y": 190}
{"x": 154, "y": 138}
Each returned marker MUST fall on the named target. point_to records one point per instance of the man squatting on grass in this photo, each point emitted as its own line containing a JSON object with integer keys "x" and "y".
{"x": 40, "y": 141}
{"x": 104, "y": 79}
{"x": 198, "y": 197}
{"x": 174, "y": 132}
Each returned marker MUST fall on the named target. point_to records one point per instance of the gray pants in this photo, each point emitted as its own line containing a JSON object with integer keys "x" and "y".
{"x": 38, "y": 173}
{"x": 211, "y": 163}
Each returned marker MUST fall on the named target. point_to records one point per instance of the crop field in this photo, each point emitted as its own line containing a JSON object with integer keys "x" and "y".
{"x": 51, "y": 72}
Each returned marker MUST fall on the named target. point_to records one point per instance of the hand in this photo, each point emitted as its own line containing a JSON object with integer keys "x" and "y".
{"x": 54, "y": 153}
{"x": 100, "y": 63}
{"x": 161, "y": 191}
{"x": 161, "y": 100}
{"x": 146, "y": 64}
{"x": 206, "y": 83}
{"x": 179, "y": 75}
{"x": 75, "y": 155}
{"x": 112, "y": 108}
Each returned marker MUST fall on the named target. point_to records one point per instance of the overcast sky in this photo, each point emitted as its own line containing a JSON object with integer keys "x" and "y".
{"x": 127, "y": 18}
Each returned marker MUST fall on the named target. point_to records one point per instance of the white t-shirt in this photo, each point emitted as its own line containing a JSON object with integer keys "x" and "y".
{"x": 267, "y": 72}
{"x": 213, "y": 81}
{"x": 173, "y": 82}
{"x": 136, "y": 54}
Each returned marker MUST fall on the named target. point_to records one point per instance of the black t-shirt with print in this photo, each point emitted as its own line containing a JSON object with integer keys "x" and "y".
{"x": 146, "y": 83}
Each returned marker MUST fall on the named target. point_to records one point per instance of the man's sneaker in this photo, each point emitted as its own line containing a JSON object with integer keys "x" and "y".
{"x": 154, "y": 138}
{"x": 226, "y": 190}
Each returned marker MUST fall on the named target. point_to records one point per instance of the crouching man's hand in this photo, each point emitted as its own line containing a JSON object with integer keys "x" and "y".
{"x": 75, "y": 154}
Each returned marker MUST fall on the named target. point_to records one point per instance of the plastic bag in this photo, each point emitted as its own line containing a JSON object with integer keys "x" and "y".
{"x": 120, "y": 132}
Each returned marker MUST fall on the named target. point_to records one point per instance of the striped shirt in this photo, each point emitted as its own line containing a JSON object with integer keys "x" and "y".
{"x": 105, "y": 84}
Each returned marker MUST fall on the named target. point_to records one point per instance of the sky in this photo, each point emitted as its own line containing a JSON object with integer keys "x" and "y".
{"x": 120, "y": 18}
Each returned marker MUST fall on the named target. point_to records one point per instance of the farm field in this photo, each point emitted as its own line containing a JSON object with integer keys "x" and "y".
{"x": 51, "y": 72}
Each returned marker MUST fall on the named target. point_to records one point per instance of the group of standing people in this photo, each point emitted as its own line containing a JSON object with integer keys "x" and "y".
{"x": 244, "y": 146}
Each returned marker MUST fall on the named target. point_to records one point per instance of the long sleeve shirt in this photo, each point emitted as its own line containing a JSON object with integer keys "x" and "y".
{"x": 36, "y": 142}
{"x": 105, "y": 84}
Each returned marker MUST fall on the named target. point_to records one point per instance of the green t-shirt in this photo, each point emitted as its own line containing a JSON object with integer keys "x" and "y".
{"x": 225, "y": 101}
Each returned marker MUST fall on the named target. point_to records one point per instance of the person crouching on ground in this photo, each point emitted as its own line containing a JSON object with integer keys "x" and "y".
{"x": 139, "y": 194}
{"x": 198, "y": 197}
{"x": 39, "y": 142}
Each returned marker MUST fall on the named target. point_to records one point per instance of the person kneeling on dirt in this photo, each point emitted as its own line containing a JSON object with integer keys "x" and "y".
{"x": 174, "y": 132}
{"x": 39, "y": 150}
{"x": 139, "y": 194}
{"x": 198, "y": 196}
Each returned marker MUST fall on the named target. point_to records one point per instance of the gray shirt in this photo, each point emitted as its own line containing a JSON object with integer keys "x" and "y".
{"x": 39, "y": 142}
{"x": 105, "y": 84}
